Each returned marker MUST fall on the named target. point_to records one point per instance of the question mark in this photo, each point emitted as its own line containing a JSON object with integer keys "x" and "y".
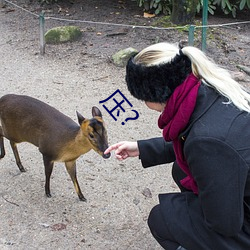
{"x": 134, "y": 118}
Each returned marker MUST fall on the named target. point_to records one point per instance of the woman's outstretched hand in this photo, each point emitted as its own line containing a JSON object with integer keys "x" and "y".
{"x": 124, "y": 150}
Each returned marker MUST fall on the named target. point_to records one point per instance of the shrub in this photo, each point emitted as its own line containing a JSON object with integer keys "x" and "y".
{"x": 47, "y": 1}
{"x": 156, "y": 6}
{"x": 165, "y": 6}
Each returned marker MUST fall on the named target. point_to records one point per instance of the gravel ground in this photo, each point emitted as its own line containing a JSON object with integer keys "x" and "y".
{"x": 76, "y": 76}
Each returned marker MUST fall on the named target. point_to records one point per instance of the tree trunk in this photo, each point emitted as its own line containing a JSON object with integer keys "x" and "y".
{"x": 183, "y": 11}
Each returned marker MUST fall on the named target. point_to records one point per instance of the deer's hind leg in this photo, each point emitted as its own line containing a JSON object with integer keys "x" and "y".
{"x": 1, "y": 144}
{"x": 71, "y": 168}
{"x": 18, "y": 161}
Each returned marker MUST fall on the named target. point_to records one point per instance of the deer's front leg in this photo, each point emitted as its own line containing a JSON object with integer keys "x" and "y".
{"x": 48, "y": 165}
{"x": 71, "y": 168}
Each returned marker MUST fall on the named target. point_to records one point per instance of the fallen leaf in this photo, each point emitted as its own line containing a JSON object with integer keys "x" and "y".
{"x": 147, "y": 15}
{"x": 58, "y": 227}
{"x": 147, "y": 193}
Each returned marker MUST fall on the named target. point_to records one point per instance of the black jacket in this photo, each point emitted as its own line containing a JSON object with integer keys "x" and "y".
{"x": 216, "y": 145}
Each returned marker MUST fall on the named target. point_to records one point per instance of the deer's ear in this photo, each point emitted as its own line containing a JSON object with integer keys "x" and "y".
{"x": 96, "y": 112}
{"x": 80, "y": 118}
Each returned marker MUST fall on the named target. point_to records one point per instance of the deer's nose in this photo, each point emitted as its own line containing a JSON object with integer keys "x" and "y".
{"x": 106, "y": 156}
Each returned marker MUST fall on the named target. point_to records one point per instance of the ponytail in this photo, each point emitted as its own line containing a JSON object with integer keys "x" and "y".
{"x": 218, "y": 78}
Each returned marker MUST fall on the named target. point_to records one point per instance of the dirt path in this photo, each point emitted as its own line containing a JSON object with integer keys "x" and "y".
{"x": 115, "y": 215}
{"x": 74, "y": 77}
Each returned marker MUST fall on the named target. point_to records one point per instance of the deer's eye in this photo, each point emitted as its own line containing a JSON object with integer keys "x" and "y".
{"x": 91, "y": 136}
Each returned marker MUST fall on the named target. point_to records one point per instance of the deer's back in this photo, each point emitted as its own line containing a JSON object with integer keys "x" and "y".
{"x": 24, "y": 118}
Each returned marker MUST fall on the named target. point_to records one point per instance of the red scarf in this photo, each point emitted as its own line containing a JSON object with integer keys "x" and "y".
{"x": 174, "y": 119}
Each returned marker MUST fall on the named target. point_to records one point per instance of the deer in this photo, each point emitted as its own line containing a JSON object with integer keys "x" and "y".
{"x": 58, "y": 138}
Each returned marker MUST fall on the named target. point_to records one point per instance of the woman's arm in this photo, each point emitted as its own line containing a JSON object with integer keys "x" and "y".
{"x": 155, "y": 151}
{"x": 151, "y": 152}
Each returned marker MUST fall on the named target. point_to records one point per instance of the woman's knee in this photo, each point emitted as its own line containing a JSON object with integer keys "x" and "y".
{"x": 159, "y": 229}
{"x": 153, "y": 218}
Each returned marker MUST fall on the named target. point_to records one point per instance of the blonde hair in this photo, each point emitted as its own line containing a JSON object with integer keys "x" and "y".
{"x": 202, "y": 67}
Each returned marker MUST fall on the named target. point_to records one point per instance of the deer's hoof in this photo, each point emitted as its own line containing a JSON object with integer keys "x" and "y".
{"x": 48, "y": 195}
{"x": 82, "y": 198}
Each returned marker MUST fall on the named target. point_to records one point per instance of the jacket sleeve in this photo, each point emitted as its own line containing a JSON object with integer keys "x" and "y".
{"x": 220, "y": 173}
{"x": 155, "y": 151}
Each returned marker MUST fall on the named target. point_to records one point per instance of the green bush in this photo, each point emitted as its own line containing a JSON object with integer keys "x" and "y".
{"x": 211, "y": 7}
{"x": 47, "y": 1}
{"x": 232, "y": 6}
{"x": 227, "y": 6}
{"x": 156, "y": 6}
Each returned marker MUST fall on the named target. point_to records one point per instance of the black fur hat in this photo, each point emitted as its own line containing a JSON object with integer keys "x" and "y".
{"x": 156, "y": 83}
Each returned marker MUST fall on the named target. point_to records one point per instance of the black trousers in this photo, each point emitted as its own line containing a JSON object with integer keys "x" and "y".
{"x": 156, "y": 222}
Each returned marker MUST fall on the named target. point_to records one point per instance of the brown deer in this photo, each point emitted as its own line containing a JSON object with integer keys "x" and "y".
{"x": 59, "y": 138}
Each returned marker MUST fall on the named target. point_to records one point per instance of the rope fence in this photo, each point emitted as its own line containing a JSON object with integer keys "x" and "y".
{"x": 191, "y": 28}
